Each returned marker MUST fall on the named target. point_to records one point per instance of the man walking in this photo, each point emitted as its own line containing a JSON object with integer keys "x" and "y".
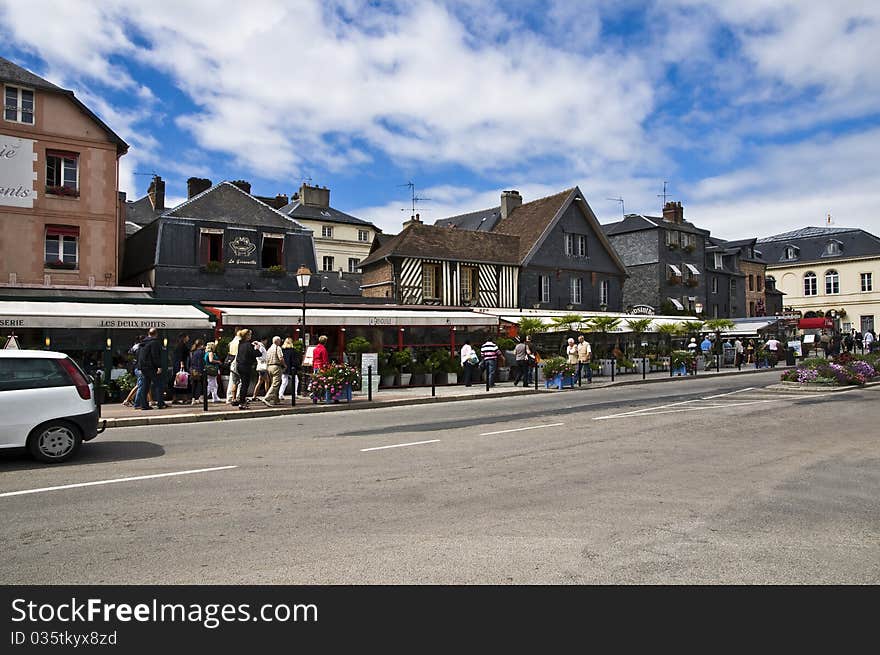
{"x": 275, "y": 367}
{"x": 232, "y": 390}
{"x": 773, "y": 348}
{"x": 584, "y": 355}
{"x": 521, "y": 355}
{"x": 245, "y": 361}
{"x": 738, "y": 353}
{"x": 490, "y": 353}
{"x": 150, "y": 363}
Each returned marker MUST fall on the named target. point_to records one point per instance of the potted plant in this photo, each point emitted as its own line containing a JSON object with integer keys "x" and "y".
{"x": 401, "y": 361}
{"x": 673, "y": 280}
{"x": 357, "y": 347}
{"x": 681, "y": 361}
{"x": 214, "y": 267}
{"x": 419, "y": 370}
{"x": 387, "y": 372}
{"x": 275, "y": 271}
{"x": 453, "y": 369}
{"x": 558, "y": 373}
{"x": 333, "y": 383}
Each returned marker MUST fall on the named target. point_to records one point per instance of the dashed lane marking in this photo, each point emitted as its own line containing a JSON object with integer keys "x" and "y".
{"x": 400, "y": 445}
{"x": 533, "y": 427}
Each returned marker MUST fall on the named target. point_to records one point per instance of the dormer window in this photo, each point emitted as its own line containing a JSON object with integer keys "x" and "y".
{"x": 790, "y": 252}
{"x": 832, "y": 248}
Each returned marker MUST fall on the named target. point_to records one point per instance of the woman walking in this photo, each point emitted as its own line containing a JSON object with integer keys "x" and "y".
{"x": 469, "y": 362}
{"x": 262, "y": 370}
{"x": 212, "y": 370}
{"x": 292, "y": 362}
{"x": 197, "y": 369}
{"x": 245, "y": 361}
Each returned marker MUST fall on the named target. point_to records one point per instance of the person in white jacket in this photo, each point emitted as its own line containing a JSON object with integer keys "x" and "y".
{"x": 467, "y": 363}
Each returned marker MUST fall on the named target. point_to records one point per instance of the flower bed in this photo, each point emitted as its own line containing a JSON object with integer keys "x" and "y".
{"x": 843, "y": 370}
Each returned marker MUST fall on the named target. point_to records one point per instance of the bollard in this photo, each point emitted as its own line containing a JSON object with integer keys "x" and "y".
{"x": 613, "y": 362}
{"x": 370, "y": 383}
{"x": 98, "y": 392}
{"x": 434, "y": 383}
{"x": 536, "y": 376}
{"x": 644, "y": 372}
{"x": 204, "y": 391}
{"x": 670, "y": 367}
{"x": 717, "y": 363}
{"x": 487, "y": 377}
{"x": 293, "y": 380}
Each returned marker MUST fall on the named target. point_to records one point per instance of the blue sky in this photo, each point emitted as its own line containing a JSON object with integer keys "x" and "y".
{"x": 762, "y": 115}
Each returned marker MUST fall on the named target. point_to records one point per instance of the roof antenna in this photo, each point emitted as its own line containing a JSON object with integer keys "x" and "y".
{"x": 663, "y": 195}
{"x": 622, "y": 210}
{"x": 415, "y": 198}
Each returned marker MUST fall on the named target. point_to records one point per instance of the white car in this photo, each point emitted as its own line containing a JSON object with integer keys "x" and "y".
{"x": 47, "y": 404}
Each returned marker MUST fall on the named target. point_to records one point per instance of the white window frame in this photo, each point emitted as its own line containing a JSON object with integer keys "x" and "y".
{"x": 869, "y": 278}
{"x": 430, "y": 275}
{"x": 675, "y": 270}
{"x": 326, "y": 231}
{"x": 61, "y": 240}
{"x": 19, "y": 104}
{"x": 832, "y": 248}
{"x": 719, "y": 260}
{"x": 569, "y": 244}
{"x": 790, "y": 252}
{"x": 832, "y": 280}
{"x": 576, "y": 291}
{"x": 353, "y": 264}
{"x": 581, "y": 243}
{"x": 714, "y": 284}
{"x": 63, "y": 169}
{"x": 604, "y": 292}
{"x": 363, "y": 236}
{"x": 544, "y": 284}
{"x": 324, "y": 261}
{"x": 809, "y": 275}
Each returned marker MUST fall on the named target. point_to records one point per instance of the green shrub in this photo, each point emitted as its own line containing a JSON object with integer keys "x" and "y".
{"x": 358, "y": 345}
{"x": 558, "y": 365}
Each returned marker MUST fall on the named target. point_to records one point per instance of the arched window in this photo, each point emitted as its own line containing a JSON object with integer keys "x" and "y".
{"x": 810, "y": 286}
{"x": 832, "y": 282}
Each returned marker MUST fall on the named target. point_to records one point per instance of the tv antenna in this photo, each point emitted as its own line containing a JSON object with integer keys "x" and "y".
{"x": 415, "y": 199}
{"x": 622, "y": 210}
{"x": 663, "y": 195}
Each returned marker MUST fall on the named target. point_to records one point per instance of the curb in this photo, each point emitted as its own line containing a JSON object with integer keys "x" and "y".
{"x": 307, "y": 408}
{"x": 817, "y": 388}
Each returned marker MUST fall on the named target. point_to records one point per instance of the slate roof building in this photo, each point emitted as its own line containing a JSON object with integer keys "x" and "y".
{"x": 221, "y": 242}
{"x": 564, "y": 260}
{"x": 824, "y": 269}
{"x": 341, "y": 240}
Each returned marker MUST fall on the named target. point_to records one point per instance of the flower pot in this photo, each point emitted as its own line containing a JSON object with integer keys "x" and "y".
{"x": 503, "y": 375}
{"x": 342, "y": 394}
{"x": 405, "y": 379}
{"x": 681, "y": 370}
{"x": 387, "y": 380}
{"x": 559, "y": 381}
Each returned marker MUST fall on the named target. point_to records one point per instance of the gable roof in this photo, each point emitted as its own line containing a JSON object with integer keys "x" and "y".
{"x": 140, "y": 211}
{"x": 296, "y": 209}
{"x": 433, "y": 242}
{"x": 483, "y": 220}
{"x": 226, "y": 203}
{"x": 12, "y": 72}
{"x": 531, "y": 221}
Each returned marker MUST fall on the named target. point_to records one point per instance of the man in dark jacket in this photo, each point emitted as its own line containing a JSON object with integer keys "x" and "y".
{"x": 245, "y": 362}
{"x": 149, "y": 355}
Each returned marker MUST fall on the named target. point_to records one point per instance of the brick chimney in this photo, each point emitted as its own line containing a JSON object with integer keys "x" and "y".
{"x": 195, "y": 185}
{"x": 673, "y": 212}
{"x": 156, "y": 192}
{"x": 314, "y": 196}
{"x": 510, "y": 200}
{"x": 413, "y": 220}
{"x": 244, "y": 185}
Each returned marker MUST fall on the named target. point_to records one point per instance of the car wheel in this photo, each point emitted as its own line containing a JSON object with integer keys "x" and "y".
{"x": 54, "y": 442}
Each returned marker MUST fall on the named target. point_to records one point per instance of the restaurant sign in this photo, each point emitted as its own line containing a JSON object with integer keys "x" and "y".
{"x": 17, "y": 172}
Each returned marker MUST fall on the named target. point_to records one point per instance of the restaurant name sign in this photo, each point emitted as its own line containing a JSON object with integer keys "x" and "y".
{"x": 17, "y": 172}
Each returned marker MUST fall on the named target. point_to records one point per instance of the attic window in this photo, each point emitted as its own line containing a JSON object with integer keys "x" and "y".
{"x": 832, "y": 248}
{"x": 273, "y": 249}
{"x": 790, "y": 252}
{"x": 18, "y": 105}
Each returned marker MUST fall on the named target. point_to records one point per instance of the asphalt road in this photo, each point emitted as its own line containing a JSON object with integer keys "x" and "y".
{"x": 697, "y": 481}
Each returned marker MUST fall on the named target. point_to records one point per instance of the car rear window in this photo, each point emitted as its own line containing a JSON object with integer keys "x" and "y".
{"x": 18, "y": 374}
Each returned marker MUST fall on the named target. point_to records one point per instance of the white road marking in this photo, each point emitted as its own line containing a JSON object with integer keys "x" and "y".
{"x": 729, "y": 393}
{"x": 667, "y": 409}
{"x": 114, "y": 481}
{"x": 399, "y": 445}
{"x": 534, "y": 427}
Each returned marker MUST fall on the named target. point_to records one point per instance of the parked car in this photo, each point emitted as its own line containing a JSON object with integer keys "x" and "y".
{"x": 47, "y": 404}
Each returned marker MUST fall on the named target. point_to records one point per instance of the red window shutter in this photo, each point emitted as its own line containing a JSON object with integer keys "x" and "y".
{"x": 204, "y": 249}
{"x": 62, "y": 153}
{"x": 62, "y": 231}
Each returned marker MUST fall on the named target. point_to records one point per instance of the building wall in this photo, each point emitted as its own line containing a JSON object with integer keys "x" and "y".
{"x": 757, "y": 295}
{"x": 856, "y": 304}
{"x": 379, "y": 273}
{"x": 60, "y": 125}
{"x": 344, "y": 244}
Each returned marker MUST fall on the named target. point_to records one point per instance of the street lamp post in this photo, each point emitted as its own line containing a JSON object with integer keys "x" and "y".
{"x": 303, "y": 277}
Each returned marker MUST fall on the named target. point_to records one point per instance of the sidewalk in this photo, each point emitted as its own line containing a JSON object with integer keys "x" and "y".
{"x": 119, "y": 416}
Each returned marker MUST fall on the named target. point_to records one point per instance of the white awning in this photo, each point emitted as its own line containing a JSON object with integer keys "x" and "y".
{"x": 251, "y": 316}
{"x": 749, "y": 327}
{"x": 676, "y": 303}
{"x": 692, "y": 269}
{"x": 675, "y": 269}
{"x": 547, "y": 316}
{"x": 35, "y": 314}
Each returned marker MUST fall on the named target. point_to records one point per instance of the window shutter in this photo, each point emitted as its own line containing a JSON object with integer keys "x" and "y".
{"x": 62, "y": 231}
{"x": 204, "y": 249}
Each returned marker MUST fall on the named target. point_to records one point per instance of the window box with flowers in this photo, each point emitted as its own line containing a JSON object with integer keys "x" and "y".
{"x": 65, "y": 191}
{"x": 692, "y": 282}
{"x": 672, "y": 280}
{"x": 689, "y": 247}
{"x": 214, "y": 267}
{"x": 558, "y": 373}
{"x": 60, "y": 265}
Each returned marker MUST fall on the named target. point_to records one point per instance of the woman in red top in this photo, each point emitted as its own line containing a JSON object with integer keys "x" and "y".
{"x": 320, "y": 358}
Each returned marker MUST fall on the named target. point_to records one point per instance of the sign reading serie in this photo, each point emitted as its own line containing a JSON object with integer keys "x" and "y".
{"x": 16, "y": 172}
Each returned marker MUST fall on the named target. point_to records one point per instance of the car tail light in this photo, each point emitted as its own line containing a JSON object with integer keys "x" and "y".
{"x": 78, "y": 379}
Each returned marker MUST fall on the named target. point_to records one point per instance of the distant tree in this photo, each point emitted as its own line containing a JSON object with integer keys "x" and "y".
{"x": 603, "y": 325}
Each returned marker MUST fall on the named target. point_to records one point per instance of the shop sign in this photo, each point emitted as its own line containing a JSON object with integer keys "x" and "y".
{"x": 17, "y": 172}
{"x": 372, "y": 320}
{"x": 642, "y": 310}
{"x": 140, "y": 324}
{"x": 243, "y": 250}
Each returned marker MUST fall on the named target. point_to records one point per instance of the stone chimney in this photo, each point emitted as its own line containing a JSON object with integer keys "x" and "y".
{"x": 244, "y": 185}
{"x": 413, "y": 220}
{"x": 314, "y": 196}
{"x": 510, "y": 200}
{"x": 156, "y": 192}
{"x": 673, "y": 212}
{"x": 195, "y": 185}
